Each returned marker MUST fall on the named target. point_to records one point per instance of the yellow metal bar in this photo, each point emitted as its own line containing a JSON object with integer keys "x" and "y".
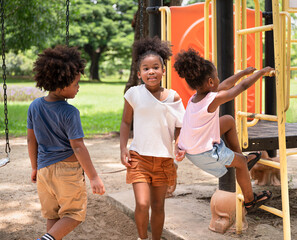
{"x": 269, "y": 163}
{"x": 237, "y": 26}
{"x": 287, "y": 59}
{"x": 238, "y": 101}
{"x": 255, "y": 29}
{"x": 244, "y": 66}
{"x": 206, "y": 29}
{"x": 272, "y": 210}
{"x": 166, "y": 36}
{"x": 293, "y": 68}
{"x": 214, "y": 33}
{"x": 291, "y": 153}
{"x": 257, "y": 63}
{"x": 257, "y": 66}
{"x": 258, "y": 116}
{"x": 292, "y": 10}
{"x": 163, "y": 38}
{"x": 293, "y": 96}
{"x": 294, "y": 40}
{"x": 281, "y": 120}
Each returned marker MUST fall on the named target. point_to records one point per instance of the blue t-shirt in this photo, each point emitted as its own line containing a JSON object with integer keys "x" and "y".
{"x": 54, "y": 124}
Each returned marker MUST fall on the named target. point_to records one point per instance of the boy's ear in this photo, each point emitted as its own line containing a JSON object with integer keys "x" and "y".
{"x": 164, "y": 71}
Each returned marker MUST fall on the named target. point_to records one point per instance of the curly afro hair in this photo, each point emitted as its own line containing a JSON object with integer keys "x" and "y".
{"x": 194, "y": 68}
{"x": 57, "y": 67}
{"x": 151, "y": 46}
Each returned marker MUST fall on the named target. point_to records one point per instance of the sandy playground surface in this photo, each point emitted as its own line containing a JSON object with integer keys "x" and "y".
{"x": 20, "y": 216}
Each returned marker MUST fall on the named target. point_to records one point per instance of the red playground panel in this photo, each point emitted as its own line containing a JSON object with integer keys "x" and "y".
{"x": 188, "y": 31}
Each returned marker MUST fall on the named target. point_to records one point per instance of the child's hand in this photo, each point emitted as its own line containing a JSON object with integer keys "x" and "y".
{"x": 97, "y": 185}
{"x": 33, "y": 175}
{"x": 249, "y": 70}
{"x": 179, "y": 154}
{"x": 267, "y": 70}
{"x": 125, "y": 157}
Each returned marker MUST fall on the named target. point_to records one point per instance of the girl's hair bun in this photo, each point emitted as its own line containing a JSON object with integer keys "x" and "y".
{"x": 147, "y": 45}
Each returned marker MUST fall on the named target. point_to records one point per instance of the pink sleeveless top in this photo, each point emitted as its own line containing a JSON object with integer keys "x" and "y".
{"x": 200, "y": 129}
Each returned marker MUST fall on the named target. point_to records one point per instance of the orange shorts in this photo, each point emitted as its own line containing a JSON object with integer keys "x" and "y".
{"x": 62, "y": 191}
{"x": 158, "y": 171}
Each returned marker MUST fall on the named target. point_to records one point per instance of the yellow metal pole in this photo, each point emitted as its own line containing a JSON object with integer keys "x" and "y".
{"x": 214, "y": 33}
{"x": 163, "y": 37}
{"x": 206, "y": 29}
{"x": 169, "y": 69}
{"x": 258, "y": 116}
{"x": 257, "y": 63}
{"x": 238, "y": 108}
{"x": 281, "y": 121}
{"x": 166, "y": 36}
{"x": 287, "y": 58}
{"x": 255, "y": 29}
{"x": 244, "y": 66}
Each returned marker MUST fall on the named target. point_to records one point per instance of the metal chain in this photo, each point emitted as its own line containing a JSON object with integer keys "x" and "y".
{"x": 141, "y": 19}
{"x": 67, "y": 22}
{"x": 7, "y": 147}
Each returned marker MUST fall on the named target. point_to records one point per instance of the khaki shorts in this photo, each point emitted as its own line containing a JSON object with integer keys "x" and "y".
{"x": 62, "y": 191}
{"x": 157, "y": 171}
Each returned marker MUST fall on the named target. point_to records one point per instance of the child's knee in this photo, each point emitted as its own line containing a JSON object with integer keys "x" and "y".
{"x": 157, "y": 206}
{"x": 142, "y": 206}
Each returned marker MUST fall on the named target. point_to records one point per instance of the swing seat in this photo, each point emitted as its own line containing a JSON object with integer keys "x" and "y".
{"x": 4, "y": 161}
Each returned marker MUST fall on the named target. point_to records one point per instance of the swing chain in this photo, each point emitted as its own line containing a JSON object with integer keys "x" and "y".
{"x": 7, "y": 147}
{"x": 141, "y": 19}
{"x": 67, "y": 22}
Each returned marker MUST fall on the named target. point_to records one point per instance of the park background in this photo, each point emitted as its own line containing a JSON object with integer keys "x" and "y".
{"x": 104, "y": 32}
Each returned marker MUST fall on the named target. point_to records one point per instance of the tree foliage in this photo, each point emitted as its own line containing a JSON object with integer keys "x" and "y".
{"x": 101, "y": 26}
{"x": 33, "y": 23}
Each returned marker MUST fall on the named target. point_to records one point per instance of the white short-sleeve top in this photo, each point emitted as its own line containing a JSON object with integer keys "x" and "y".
{"x": 154, "y": 122}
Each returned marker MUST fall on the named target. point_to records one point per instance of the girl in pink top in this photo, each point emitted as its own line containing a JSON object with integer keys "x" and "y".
{"x": 202, "y": 127}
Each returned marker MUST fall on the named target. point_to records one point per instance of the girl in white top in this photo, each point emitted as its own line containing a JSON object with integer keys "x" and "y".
{"x": 157, "y": 115}
{"x": 202, "y": 127}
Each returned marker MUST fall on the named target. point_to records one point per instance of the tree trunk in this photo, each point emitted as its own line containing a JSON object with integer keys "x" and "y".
{"x": 136, "y": 24}
{"x": 95, "y": 57}
{"x": 176, "y": 2}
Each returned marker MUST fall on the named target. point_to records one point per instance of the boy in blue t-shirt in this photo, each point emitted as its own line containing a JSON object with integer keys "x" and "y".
{"x": 56, "y": 147}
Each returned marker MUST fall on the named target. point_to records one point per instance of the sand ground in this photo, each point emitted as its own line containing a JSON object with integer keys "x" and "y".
{"x": 20, "y": 216}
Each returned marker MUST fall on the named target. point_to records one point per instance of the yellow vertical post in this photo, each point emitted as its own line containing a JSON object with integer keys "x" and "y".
{"x": 237, "y": 26}
{"x": 214, "y": 33}
{"x": 279, "y": 68}
{"x": 238, "y": 106}
{"x": 166, "y": 36}
{"x": 206, "y": 29}
{"x": 163, "y": 37}
{"x": 244, "y": 66}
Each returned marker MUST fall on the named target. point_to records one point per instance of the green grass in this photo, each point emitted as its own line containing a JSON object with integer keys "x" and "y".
{"x": 100, "y": 106}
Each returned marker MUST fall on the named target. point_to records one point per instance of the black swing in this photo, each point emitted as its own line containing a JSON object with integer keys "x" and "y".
{"x": 5, "y": 160}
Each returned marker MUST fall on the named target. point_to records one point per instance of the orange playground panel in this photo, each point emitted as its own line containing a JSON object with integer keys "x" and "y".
{"x": 187, "y": 30}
